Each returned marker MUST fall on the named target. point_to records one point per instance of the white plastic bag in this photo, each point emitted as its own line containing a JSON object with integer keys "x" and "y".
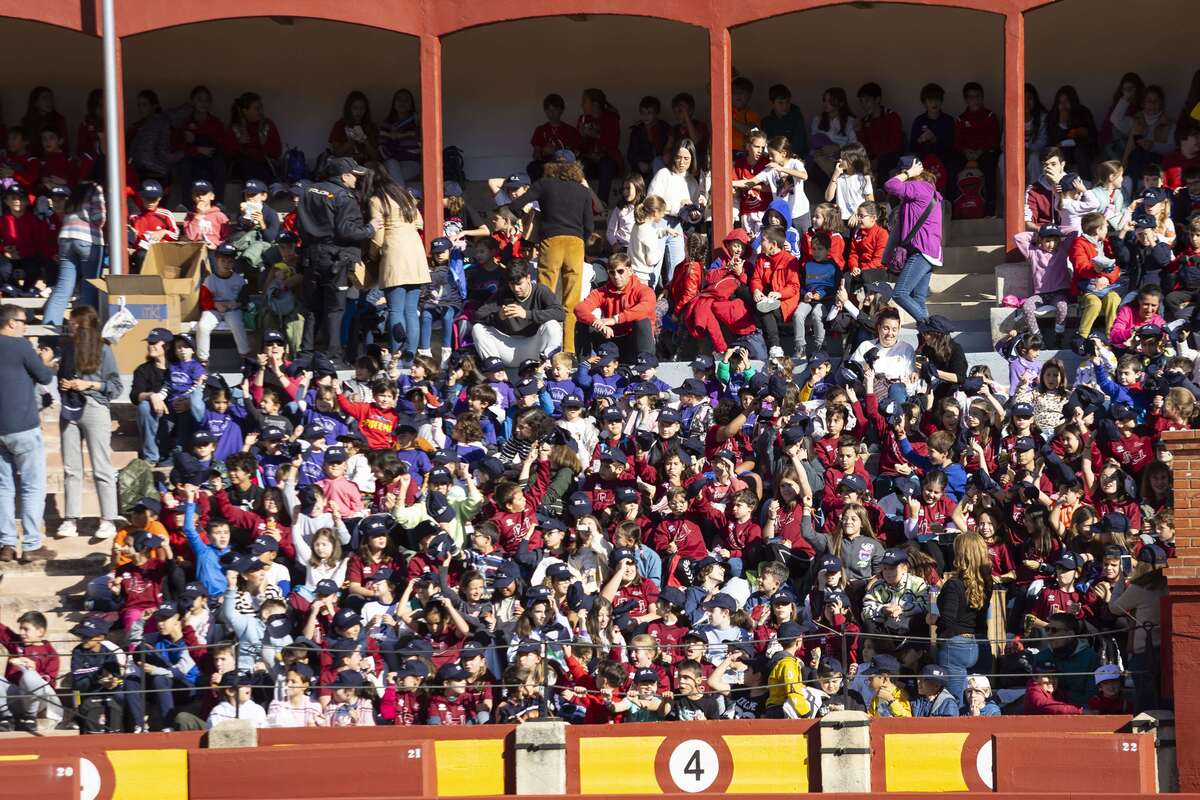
{"x": 118, "y": 324}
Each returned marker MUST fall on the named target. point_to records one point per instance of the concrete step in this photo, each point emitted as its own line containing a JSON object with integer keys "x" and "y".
{"x": 988, "y": 230}
{"x": 21, "y": 592}
{"x": 26, "y": 302}
{"x": 976, "y": 258}
{"x": 968, "y": 285}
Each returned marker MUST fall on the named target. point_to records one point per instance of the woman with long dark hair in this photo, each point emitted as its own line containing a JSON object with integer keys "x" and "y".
{"x": 40, "y": 114}
{"x": 403, "y": 267}
{"x": 80, "y": 250}
{"x": 355, "y": 133}
{"x": 88, "y": 381}
{"x": 1071, "y": 128}
{"x": 944, "y": 356}
{"x": 253, "y": 142}
{"x": 962, "y": 612}
{"x": 400, "y": 138}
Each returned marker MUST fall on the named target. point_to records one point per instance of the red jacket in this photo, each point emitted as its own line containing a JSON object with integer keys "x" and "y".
{"x": 25, "y": 166}
{"x": 881, "y": 135}
{"x": 26, "y": 233}
{"x": 159, "y": 219}
{"x": 977, "y": 130}
{"x": 208, "y": 132}
{"x": 866, "y": 248}
{"x": 683, "y": 532}
{"x": 685, "y": 285}
{"x": 263, "y": 141}
{"x": 778, "y": 273}
{"x": 634, "y": 302}
{"x": 58, "y": 165}
{"x": 756, "y": 199}
{"x": 837, "y": 247}
{"x": 1083, "y": 250}
{"x": 1038, "y": 701}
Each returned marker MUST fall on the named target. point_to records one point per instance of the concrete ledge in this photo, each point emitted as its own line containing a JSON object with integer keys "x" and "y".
{"x": 541, "y": 757}
{"x": 233, "y": 733}
{"x": 845, "y": 752}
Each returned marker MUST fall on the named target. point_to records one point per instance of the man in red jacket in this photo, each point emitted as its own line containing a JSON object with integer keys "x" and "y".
{"x": 879, "y": 129}
{"x": 621, "y": 311}
{"x": 977, "y": 138}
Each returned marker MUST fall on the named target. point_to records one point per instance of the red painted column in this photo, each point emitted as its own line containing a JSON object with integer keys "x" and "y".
{"x": 431, "y": 134}
{"x": 1181, "y": 619}
{"x": 720, "y": 68}
{"x": 1014, "y": 128}
{"x": 118, "y": 258}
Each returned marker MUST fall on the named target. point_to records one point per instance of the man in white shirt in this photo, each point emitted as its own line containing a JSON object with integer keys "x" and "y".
{"x": 894, "y": 360}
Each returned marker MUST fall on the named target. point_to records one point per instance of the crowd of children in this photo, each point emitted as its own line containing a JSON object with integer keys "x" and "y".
{"x": 457, "y": 540}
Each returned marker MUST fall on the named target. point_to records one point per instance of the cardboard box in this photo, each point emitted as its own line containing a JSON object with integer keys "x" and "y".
{"x": 165, "y": 294}
{"x": 178, "y": 267}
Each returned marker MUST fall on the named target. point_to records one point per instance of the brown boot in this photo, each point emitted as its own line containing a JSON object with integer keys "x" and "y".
{"x": 43, "y": 553}
{"x": 7, "y": 553}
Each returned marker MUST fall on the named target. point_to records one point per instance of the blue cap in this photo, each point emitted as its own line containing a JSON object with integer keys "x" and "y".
{"x": 253, "y": 186}
{"x": 789, "y": 631}
{"x": 160, "y": 335}
{"x": 702, "y": 363}
{"x": 375, "y": 525}
{"x": 645, "y": 675}
{"x": 933, "y": 672}
{"x": 441, "y": 245}
{"x": 326, "y": 587}
{"x": 894, "y": 556}
{"x": 451, "y": 672}
{"x": 92, "y": 626}
{"x": 669, "y": 416}
{"x": 348, "y": 679}
{"x": 346, "y": 618}
{"x": 645, "y": 361}
{"x": 882, "y": 663}
{"x": 829, "y": 563}
{"x": 438, "y": 507}
{"x": 558, "y": 571}
{"x": 201, "y": 187}
{"x": 579, "y": 505}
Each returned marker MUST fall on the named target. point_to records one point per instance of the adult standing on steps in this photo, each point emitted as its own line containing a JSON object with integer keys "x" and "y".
{"x": 919, "y": 232}
{"x": 80, "y": 250}
{"x": 88, "y": 381}
{"x": 332, "y": 231}
{"x": 22, "y": 453}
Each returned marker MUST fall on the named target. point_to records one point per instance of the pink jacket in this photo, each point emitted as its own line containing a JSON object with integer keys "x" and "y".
{"x": 1127, "y": 322}
{"x": 1050, "y": 270}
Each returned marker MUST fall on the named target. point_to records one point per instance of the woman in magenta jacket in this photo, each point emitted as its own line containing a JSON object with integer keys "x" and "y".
{"x": 916, "y": 190}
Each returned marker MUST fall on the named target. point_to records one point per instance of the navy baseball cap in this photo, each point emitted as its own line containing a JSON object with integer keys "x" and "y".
{"x": 894, "y": 556}
{"x": 166, "y": 611}
{"x": 451, "y": 672}
{"x": 345, "y": 618}
{"x": 702, "y": 363}
{"x": 572, "y": 401}
{"x": 201, "y": 187}
{"x": 558, "y": 571}
{"x": 722, "y": 600}
{"x": 882, "y": 663}
{"x": 1022, "y": 410}
{"x": 160, "y": 335}
{"x": 92, "y": 626}
{"x": 692, "y": 386}
{"x": 438, "y": 507}
{"x": 150, "y": 190}
{"x": 253, "y": 186}
{"x": 264, "y": 544}
{"x": 516, "y": 180}
{"x": 789, "y": 631}
{"x": 620, "y": 554}
{"x": 829, "y": 563}
{"x": 491, "y": 365}
{"x": 348, "y": 679}
{"x": 148, "y": 504}
{"x": 326, "y": 587}
{"x": 342, "y": 165}
{"x": 627, "y": 494}
{"x": 933, "y": 672}
{"x": 274, "y": 337}
{"x": 645, "y": 361}
{"x": 1122, "y": 411}
{"x": 673, "y": 596}
{"x": 375, "y": 525}
{"x": 645, "y": 675}
{"x": 441, "y": 245}
{"x": 852, "y": 483}
{"x": 612, "y": 414}
{"x": 1112, "y": 522}
{"x": 669, "y": 416}
{"x": 613, "y": 455}
{"x": 579, "y": 505}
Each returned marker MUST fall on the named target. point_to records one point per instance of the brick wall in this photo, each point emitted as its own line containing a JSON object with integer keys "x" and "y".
{"x": 1185, "y": 466}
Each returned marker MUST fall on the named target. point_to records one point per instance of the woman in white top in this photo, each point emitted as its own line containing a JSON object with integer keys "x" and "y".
{"x": 831, "y": 129}
{"x": 678, "y": 187}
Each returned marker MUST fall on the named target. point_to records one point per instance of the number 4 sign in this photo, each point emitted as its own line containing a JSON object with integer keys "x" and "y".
{"x": 694, "y": 765}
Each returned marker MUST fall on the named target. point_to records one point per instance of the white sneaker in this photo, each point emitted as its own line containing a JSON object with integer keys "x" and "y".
{"x": 775, "y": 352}
{"x": 425, "y": 352}
{"x": 106, "y": 530}
{"x": 445, "y": 359}
{"x": 67, "y": 528}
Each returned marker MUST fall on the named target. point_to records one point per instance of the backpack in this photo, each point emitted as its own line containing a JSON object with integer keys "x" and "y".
{"x": 134, "y": 481}
{"x": 295, "y": 166}
{"x": 454, "y": 166}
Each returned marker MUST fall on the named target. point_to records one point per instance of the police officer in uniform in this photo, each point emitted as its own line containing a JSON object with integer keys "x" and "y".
{"x": 332, "y": 231}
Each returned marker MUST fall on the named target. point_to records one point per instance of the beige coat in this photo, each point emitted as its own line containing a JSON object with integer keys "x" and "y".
{"x": 401, "y": 254}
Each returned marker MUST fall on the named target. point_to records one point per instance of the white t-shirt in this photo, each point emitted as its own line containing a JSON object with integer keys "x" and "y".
{"x": 786, "y": 187}
{"x": 852, "y": 191}
{"x": 677, "y": 190}
{"x": 250, "y": 711}
{"x": 894, "y": 363}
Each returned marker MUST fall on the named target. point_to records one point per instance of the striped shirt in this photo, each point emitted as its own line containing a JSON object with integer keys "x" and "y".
{"x": 86, "y": 224}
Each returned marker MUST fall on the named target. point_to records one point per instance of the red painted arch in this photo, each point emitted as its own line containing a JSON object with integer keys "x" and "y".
{"x": 81, "y": 16}
{"x": 399, "y": 16}
{"x": 749, "y": 11}
{"x": 449, "y": 18}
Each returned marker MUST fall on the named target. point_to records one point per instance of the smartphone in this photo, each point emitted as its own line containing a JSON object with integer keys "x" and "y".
{"x": 1126, "y": 564}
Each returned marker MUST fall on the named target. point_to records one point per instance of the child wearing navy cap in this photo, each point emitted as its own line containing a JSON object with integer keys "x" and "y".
{"x": 97, "y": 670}
{"x": 206, "y": 222}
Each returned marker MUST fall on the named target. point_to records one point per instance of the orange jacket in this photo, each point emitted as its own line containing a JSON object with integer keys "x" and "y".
{"x": 1082, "y": 253}
{"x": 628, "y": 305}
{"x": 778, "y": 273}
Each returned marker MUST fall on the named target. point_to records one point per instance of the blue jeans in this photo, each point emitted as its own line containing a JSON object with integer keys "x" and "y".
{"x": 402, "y": 312}
{"x": 912, "y": 287}
{"x": 76, "y": 260}
{"x": 957, "y": 654}
{"x": 152, "y": 428}
{"x": 447, "y": 315}
{"x": 23, "y": 458}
